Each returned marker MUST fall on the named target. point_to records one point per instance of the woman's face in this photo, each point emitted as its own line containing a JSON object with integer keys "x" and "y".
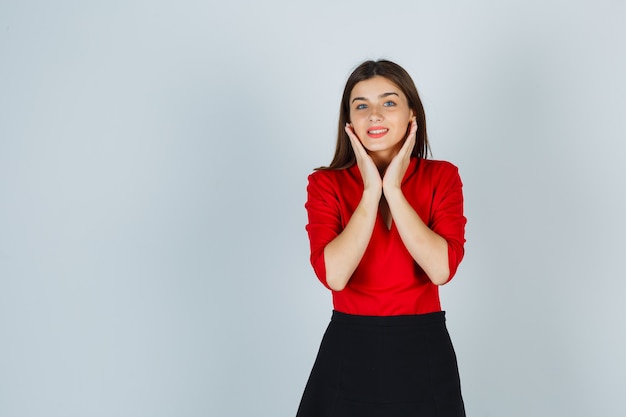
{"x": 380, "y": 116}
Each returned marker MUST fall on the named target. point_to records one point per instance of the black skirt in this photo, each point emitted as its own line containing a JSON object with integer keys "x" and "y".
{"x": 397, "y": 366}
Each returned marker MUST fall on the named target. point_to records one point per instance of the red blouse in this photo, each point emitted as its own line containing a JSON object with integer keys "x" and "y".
{"x": 387, "y": 281}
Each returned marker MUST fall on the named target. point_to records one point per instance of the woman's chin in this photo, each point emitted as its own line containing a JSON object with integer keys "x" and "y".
{"x": 382, "y": 149}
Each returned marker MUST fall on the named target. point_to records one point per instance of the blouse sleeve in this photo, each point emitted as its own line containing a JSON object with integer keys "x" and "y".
{"x": 448, "y": 220}
{"x": 324, "y": 219}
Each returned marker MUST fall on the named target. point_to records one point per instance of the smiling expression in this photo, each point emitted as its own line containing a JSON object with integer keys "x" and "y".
{"x": 380, "y": 115}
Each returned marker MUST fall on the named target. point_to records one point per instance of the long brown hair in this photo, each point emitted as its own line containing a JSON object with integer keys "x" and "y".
{"x": 344, "y": 154}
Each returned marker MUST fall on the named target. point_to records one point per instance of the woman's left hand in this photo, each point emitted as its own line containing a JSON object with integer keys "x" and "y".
{"x": 398, "y": 165}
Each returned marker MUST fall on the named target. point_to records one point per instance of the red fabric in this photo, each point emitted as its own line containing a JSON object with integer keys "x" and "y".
{"x": 387, "y": 282}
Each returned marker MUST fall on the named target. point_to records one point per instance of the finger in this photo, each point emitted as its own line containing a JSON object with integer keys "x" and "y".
{"x": 413, "y": 128}
{"x": 357, "y": 146}
{"x": 350, "y": 132}
{"x": 411, "y": 138}
{"x": 407, "y": 146}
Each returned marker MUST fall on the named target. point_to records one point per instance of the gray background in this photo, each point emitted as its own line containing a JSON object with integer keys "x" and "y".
{"x": 153, "y": 163}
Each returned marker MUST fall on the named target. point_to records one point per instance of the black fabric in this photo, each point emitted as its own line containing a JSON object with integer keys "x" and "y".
{"x": 398, "y": 366}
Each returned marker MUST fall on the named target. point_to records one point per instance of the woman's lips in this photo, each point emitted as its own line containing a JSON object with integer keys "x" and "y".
{"x": 376, "y": 132}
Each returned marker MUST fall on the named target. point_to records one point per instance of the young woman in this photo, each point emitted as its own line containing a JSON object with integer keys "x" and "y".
{"x": 386, "y": 229}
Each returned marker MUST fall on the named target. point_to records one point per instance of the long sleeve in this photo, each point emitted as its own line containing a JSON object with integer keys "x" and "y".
{"x": 447, "y": 219}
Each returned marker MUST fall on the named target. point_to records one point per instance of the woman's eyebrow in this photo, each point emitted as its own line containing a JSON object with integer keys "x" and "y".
{"x": 380, "y": 96}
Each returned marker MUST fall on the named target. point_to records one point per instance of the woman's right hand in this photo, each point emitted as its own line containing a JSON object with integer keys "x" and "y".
{"x": 343, "y": 254}
{"x": 369, "y": 172}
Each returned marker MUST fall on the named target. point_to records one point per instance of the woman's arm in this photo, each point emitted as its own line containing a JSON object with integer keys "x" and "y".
{"x": 427, "y": 248}
{"x": 343, "y": 254}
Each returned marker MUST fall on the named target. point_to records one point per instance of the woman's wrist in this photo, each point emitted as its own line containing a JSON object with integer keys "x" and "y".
{"x": 392, "y": 191}
{"x": 372, "y": 195}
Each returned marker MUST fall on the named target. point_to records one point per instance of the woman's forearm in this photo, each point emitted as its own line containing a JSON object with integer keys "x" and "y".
{"x": 427, "y": 248}
{"x": 343, "y": 254}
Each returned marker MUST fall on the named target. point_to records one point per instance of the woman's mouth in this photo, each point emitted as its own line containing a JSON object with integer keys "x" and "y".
{"x": 376, "y": 132}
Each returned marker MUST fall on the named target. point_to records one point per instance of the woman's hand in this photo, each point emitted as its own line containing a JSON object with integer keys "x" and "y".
{"x": 398, "y": 165}
{"x": 369, "y": 172}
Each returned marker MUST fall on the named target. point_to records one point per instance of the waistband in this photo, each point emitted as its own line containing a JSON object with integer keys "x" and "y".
{"x": 403, "y": 320}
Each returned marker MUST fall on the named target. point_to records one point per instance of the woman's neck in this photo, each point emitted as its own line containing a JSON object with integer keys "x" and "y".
{"x": 383, "y": 159}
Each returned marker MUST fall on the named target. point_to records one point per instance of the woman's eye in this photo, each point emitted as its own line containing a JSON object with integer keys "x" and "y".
{"x": 361, "y": 106}
{"x": 389, "y": 103}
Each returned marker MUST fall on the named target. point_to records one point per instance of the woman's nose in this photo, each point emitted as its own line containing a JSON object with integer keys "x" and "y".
{"x": 375, "y": 116}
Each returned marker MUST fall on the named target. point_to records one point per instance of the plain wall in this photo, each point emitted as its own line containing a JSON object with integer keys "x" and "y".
{"x": 153, "y": 164}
